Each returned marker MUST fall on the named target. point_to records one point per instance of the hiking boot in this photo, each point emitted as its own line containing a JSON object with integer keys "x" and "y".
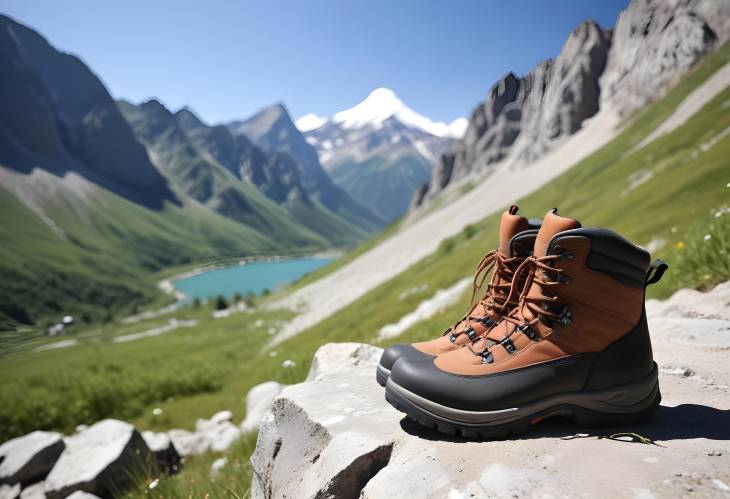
{"x": 516, "y": 239}
{"x": 577, "y": 345}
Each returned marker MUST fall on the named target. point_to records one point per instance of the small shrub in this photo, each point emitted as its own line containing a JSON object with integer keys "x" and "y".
{"x": 221, "y": 303}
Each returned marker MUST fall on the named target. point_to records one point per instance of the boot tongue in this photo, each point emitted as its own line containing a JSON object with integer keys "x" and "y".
{"x": 511, "y": 225}
{"x": 551, "y": 225}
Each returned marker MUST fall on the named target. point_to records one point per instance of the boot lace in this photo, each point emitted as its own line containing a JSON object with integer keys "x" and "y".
{"x": 497, "y": 298}
{"x": 543, "y": 307}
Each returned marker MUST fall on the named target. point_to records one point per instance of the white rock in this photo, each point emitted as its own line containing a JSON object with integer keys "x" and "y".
{"x": 221, "y": 436}
{"x": 340, "y": 355}
{"x": 258, "y": 401}
{"x": 98, "y": 460}
{"x": 80, "y": 494}
{"x": 217, "y": 466}
{"x": 187, "y": 443}
{"x": 29, "y": 458}
{"x": 9, "y": 491}
{"x": 166, "y": 455}
{"x": 35, "y": 491}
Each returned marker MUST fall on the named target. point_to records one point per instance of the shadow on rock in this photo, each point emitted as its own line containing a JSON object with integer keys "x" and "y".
{"x": 686, "y": 421}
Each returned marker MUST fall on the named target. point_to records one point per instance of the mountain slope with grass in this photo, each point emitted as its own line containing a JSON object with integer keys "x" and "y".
{"x": 96, "y": 200}
{"x": 688, "y": 164}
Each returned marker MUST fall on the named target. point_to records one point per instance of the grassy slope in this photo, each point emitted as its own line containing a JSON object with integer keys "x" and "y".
{"x": 223, "y": 354}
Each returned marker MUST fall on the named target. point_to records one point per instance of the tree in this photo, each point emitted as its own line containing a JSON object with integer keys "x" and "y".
{"x": 221, "y": 303}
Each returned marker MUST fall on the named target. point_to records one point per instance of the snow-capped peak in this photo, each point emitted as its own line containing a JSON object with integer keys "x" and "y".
{"x": 310, "y": 122}
{"x": 382, "y": 104}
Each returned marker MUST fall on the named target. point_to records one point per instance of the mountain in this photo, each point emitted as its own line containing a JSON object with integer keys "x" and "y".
{"x": 522, "y": 118}
{"x": 97, "y": 196}
{"x": 55, "y": 114}
{"x": 380, "y": 150}
{"x": 274, "y": 132}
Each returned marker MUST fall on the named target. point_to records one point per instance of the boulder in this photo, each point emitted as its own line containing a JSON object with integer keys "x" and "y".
{"x": 187, "y": 443}
{"x": 339, "y": 355}
{"x": 164, "y": 451}
{"x": 258, "y": 401}
{"x": 218, "y": 432}
{"x": 29, "y": 458}
{"x": 35, "y": 491}
{"x": 215, "y": 434}
{"x": 9, "y": 491}
{"x": 80, "y": 494}
{"x": 99, "y": 460}
{"x": 336, "y": 436}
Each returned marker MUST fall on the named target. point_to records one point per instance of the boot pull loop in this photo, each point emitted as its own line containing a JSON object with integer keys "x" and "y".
{"x": 655, "y": 272}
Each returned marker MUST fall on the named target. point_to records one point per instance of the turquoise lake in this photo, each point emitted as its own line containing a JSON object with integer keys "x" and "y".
{"x": 252, "y": 277}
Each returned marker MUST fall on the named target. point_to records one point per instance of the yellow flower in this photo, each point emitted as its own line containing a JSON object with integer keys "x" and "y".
{"x": 680, "y": 245}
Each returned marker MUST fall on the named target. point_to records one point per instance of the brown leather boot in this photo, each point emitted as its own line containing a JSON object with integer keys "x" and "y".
{"x": 516, "y": 240}
{"x": 577, "y": 345}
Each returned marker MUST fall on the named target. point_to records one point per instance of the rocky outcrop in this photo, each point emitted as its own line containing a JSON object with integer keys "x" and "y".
{"x": 258, "y": 401}
{"x": 653, "y": 45}
{"x": 100, "y": 460}
{"x": 29, "y": 458}
{"x": 525, "y": 116}
{"x": 336, "y": 436}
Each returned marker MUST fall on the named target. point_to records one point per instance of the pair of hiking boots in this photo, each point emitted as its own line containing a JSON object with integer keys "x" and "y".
{"x": 561, "y": 330}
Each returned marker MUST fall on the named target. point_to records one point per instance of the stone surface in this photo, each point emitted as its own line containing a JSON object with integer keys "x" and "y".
{"x": 9, "y": 491}
{"x": 29, "y": 458}
{"x": 258, "y": 401}
{"x": 80, "y": 494}
{"x": 98, "y": 460}
{"x": 216, "y": 434}
{"x": 338, "y": 355}
{"x": 35, "y": 491}
{"x": 163, "y": 449}
{"x": 335, "y": 436}
{"x": 655, "y": 43}
{"x": 187, "y": 443}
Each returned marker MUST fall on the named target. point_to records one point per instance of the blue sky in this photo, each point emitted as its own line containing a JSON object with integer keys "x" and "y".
{"x": 227, "y": 59}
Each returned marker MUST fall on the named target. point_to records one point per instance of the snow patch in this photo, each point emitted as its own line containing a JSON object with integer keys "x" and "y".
{"x": 382, "y": 104}
{"x": 309, "y": 121}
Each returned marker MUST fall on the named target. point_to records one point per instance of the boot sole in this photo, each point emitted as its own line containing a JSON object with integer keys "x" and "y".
{"x": 382, "y": 374}
{"x": 616, "y": 406}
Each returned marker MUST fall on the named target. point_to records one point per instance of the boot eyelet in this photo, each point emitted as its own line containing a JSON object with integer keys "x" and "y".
{"x": 567, "y": 255}
{"x": 563, "y": 279}
{"x": 566, "y": 317}
{"x": 487, "y": 357}
{"x": 452, "y": 338}
{"x": 529, "y": 332}
{"x": 471, "y": 334}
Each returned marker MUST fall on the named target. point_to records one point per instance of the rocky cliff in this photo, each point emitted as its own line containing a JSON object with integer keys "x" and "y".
{"x": 651, "y": 47}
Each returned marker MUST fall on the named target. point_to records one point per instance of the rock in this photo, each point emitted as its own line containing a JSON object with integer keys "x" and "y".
{"x": 29, "y": 458}
{"x": 336, "y": 436}
{"x": 218, "y": 432}
{"x": 215, "y": 434}
{"x": 258, "y": 401}
{"x": 35, "y": 491}
{"x": 655, "y": 43}
{"x": 99, "y": 460}
{"x": 9, "y": 491}
{"x": 524, "y": 117}
{"x": 217, "y": 466}
{"x": 164, "y": 451}
{"x": 187, "y": 443}
{"x": 80, "y": 494}
{"x": 340, "y": 355}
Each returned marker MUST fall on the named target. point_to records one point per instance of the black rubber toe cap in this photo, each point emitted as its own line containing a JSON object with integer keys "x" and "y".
{"x": 395, "y": 352}
{"x": 421, "y": 377}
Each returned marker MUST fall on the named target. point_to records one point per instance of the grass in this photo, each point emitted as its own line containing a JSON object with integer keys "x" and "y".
{"x": 194, "y": 372}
